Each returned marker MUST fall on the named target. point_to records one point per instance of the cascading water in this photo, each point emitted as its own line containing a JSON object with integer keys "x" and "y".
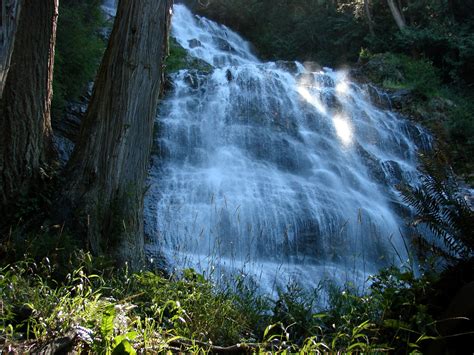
{"x": 273, "y": 169}
{"x": 109, "y": 7}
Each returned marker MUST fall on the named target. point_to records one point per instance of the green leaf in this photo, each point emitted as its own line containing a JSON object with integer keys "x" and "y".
{"x": 395, "y": 324}
{"x": 124, "y": 348}
{"x": 357, "y": 346}
{"x": 320, "y": 315}
{"x": 425, "y": 337}
{"x": 267, "y": 330}
{"x": 107, "y": 323}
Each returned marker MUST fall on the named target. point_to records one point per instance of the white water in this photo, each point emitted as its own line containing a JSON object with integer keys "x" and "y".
{"x": 109, "y": 7}
{"x": 273, "y": 172}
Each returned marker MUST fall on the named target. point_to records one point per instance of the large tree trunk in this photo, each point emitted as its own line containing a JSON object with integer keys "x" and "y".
{"x": 10, "y": 13}
{"x": 368, "y": 15}
{"x": 397, "y": 15}
{"x": 25, "y": 125}
{"x": 104, "y": 185}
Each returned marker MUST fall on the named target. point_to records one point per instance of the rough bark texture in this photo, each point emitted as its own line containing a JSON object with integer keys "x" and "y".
{"x": 397, "y": 15}
{"x": 10, "y": 13}
{"x": 25, "y": 125}
{"x": 104, "y": 185}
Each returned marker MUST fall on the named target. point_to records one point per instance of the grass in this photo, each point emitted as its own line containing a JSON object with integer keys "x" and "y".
{"x": 105, "y": 310}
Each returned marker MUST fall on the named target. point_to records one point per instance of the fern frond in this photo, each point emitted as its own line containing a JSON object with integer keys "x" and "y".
{"x": 438, "y": 204}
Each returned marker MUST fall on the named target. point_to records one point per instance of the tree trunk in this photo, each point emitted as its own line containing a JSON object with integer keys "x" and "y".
{"x": 369, "y": 17}
{"x": 105, "y": 177}
{"x": 400, "y": 10}
{"x": 397, "y": 15}
{"x": 10, "y": 14}
{"x": 25, "y": 125}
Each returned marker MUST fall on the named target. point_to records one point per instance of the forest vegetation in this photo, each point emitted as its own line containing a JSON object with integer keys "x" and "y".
{"x": 72, "y": 270}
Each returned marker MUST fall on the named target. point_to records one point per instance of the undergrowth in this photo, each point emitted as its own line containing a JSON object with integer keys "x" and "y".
{"x": 115, "y": 311}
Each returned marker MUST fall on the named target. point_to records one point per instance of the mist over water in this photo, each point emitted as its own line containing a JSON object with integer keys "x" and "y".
{"x": 274, "y": 169}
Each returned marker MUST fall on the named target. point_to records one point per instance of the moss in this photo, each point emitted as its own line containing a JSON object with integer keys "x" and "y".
{"x": 179, "y": 59}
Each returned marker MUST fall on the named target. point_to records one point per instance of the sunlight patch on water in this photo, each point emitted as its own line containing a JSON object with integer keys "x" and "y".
{"x": 343, "y": 129}
{"x": 342, "y": 87}
{"x": 311, "y": 99}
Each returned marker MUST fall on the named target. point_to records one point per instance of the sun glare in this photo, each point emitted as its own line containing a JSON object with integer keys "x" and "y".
{"x": 343, "y": 129}
{"x": 342, "y": 87}
{"x": 311, "y": 99}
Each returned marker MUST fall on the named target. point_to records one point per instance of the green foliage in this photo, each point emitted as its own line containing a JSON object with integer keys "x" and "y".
{"x": 401, "y": 302}
{"x": 79, "y": 48}
{"x": 192, "y": 307}
{"x": 176, "y": 59}
{"x": 460, "y": 130}
{"x": 113, "y": 311}
{"x": 398, "y": 71}
{"x": 293, "y": 310}
{"x": 440, "y": 206}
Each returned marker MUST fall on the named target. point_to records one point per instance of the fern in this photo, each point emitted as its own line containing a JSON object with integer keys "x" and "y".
{"x": 439, "y": 206}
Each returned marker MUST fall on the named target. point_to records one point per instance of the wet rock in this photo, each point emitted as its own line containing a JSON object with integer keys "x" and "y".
{"x": 393, "y": 170}
{"x": 401, "y": 99}
{"x": 378, "y": 97}
{"x": 193, "y": 78}
{"x": 312, "y": 66}
{"x": 193, "y": 43}
{"x": 223, "y": 44}
{"x": 66, "y": 127}
{"x": 167, "y": 84}
{"x": 64, "y": 148}
{"x": 228, "y": 75}
{"x": 288, "y": 66}
{"x": 373, "y": 165}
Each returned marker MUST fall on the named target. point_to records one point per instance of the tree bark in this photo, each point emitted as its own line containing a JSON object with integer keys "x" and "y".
{"x": 25, "y": 125}
{"x": 397, "y": 15}
{"x": 105, "y": 177}
{"x": 10, "y": 14}
{"x": 369, "y": 17}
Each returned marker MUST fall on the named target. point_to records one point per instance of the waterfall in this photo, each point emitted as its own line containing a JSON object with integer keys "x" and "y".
{"x": 274, "y": 169}
{"x": 109, "y": 7}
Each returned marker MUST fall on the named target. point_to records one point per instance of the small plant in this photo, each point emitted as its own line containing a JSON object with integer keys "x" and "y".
{"x": 364, "y": 55}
